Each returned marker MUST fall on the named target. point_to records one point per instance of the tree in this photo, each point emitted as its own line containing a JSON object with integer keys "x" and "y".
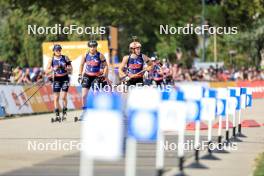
{"x": 138, "y": 17}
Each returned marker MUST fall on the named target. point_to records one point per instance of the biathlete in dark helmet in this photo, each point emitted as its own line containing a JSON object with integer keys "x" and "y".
{"x": 134, "y": 64}
{"x": 59, "y": 67}
{"x": 93, "y": 66}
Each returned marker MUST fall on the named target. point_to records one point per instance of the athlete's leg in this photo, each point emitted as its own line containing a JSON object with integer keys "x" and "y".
{"x": 56, "y": 100}
{"x": 86, "y": 85}
{"x": 84, "y": 96}
{"x": 65, "y": 88}
{"x": 56, "y": 94}
{"x": 56, "y": 103}
{"x": 64, "y": 99}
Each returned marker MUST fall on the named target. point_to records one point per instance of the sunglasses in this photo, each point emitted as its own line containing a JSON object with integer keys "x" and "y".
{"x": 57, "y": 50}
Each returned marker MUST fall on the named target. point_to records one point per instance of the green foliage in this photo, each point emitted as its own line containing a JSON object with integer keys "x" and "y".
{"x": 133, "y": 17}
{"x": 215, "y": 15}
{"x": 17, "y": 47}
{"x": 242, "y": 13}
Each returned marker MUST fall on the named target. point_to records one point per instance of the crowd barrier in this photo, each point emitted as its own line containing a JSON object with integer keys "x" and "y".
{"x": 151, "y": 115}
{"x": 42, "y": 101}
{"x": 12, "y": 98}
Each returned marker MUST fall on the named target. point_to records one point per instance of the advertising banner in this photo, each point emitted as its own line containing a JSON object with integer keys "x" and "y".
{"x": 12, "y": 99}
{"x": 12, "y": 96}
{"x": 257, "y": 87}
{"x": 46, "y": 93}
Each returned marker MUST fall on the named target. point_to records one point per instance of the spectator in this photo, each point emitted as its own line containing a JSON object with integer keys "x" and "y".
{"x": 26, "y": 76}
{"x": 35, "y": 74}
{"x": 18, "y": 73}
{"x": 175, "y": 72}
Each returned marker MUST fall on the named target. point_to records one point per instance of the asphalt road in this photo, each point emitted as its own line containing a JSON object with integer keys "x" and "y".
{"x": 16, "y": 159}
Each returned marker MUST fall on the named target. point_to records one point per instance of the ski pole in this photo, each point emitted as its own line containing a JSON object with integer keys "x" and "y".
{"x": 31, "y": 96}
{"x": 32, "y": 86}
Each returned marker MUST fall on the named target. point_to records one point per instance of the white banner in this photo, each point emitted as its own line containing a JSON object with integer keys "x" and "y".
{"x": 11, "y": 101}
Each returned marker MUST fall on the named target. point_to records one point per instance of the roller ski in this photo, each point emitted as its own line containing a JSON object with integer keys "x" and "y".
{"x": 76, "y": 119}
{"x": 57, "y": 118}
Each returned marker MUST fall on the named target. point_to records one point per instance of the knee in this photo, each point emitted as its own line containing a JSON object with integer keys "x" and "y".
{"x": 84, "y": 95}
{"x": 56, "y": 97}
{"x": 64, "y": 98}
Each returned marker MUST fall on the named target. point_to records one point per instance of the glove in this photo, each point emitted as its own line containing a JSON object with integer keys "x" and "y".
{"x": 126, "y": 78}
{"x": 50, "y": 78}
{"x": 102, "y": 77}
{"x": 80, "y": 79}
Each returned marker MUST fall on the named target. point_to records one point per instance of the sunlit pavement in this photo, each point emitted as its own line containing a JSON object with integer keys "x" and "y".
{"x": 17, "y": 159}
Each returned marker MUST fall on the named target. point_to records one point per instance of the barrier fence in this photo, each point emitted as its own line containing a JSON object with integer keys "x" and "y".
{"x": 150, "y": 114}
{"x": 153, "y": 113}
{"x": 12, "y": 96}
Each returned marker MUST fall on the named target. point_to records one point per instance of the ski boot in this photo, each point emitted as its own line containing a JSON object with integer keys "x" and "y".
{"x": 64, "y": 114}
{"x": 76, "y": 119}
{"x": 57, "y": 118}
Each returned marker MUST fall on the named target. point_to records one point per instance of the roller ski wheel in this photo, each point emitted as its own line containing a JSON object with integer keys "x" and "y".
{"x": 76, "y": 119}
{"x": 58, "y": 119}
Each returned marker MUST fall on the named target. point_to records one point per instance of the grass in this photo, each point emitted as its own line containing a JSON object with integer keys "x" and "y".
{"x": 259, "y": 170}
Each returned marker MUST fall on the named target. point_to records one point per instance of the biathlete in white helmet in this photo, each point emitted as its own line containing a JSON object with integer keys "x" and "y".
{"x": 134, "y": 64}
